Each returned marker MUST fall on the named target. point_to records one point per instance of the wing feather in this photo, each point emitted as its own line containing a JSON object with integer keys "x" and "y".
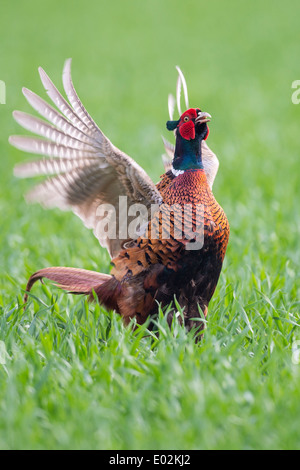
{"x": 74, "y": 99}
{"x": 52, "y": 115}
{"x": 60, "y": 102}
{"x": 84, "y": 168}
{"x": 40, "y": 127}
{"x": 50, "y": 166}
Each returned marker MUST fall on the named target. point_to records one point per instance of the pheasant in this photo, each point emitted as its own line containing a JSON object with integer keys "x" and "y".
{"x": 175, "y": 247}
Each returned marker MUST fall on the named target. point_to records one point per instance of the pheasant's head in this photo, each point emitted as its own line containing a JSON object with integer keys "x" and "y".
{"x": 191, "y": 128}
{"x": 191, "y": 125}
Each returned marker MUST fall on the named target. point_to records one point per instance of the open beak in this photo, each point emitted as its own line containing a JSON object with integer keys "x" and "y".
{"x": 202, "y": 117}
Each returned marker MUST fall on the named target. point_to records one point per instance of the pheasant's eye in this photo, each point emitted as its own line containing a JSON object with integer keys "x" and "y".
{"x": 186, "y": 118}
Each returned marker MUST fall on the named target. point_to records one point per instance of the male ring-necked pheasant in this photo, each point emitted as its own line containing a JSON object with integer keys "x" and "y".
{"x": 177, "y": 249}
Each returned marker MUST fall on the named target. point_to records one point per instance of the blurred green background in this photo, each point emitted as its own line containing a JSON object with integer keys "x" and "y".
{"x": 239, "y": 60}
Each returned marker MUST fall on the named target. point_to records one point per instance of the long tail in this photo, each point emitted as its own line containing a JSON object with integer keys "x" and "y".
{"x": 76, "y": 281}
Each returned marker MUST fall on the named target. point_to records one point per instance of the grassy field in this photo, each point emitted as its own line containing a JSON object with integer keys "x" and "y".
{"x": 71, "y": 376}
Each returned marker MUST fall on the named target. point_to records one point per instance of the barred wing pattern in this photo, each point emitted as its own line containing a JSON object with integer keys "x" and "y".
{"x": 84, "y": 168}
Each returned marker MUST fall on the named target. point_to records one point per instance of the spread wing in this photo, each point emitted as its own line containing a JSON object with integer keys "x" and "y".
{"x": 86, "y": 172}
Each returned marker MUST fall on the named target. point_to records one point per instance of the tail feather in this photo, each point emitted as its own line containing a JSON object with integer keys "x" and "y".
{"x": 76, "y": 281}
{"x": 109, "y": 293}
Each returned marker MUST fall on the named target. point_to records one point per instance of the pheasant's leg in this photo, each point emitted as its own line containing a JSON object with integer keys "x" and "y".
{"x": 195, "y": 319}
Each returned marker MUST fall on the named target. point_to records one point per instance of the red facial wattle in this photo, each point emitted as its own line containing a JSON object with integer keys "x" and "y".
{"x": 186, "y": 124}
{"x": 187, "y": 130}
{"x": 207, "y": 132}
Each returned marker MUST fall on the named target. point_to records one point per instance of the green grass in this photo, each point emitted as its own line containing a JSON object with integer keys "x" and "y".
{"x": 71, "y": 375}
